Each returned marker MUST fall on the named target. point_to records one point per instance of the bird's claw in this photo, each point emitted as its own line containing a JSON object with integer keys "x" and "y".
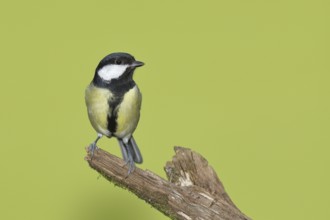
{"x": 92, "y": 148}
{"x": 131, "y": 166}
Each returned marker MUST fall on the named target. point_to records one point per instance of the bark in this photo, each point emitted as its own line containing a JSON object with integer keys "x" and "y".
{"x": 192, "y": 191}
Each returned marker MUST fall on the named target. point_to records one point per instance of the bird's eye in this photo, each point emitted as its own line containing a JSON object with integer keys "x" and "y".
{"x": 118, "y": 62}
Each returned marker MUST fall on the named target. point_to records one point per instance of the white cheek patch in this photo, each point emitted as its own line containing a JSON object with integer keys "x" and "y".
{"x": 112, "y": 71}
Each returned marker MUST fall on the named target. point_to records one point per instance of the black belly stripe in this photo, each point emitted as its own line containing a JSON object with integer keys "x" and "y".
{"x": 112, "y": 118}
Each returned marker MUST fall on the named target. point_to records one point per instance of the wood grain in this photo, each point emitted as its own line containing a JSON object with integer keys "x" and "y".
{"x": 192, "y": 191}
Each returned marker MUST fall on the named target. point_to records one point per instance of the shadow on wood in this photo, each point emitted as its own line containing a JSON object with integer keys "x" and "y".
{"x": 192, "y": 191}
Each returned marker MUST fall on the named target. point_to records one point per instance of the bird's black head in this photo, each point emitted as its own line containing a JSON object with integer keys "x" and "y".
{"x": 115, "y": 67}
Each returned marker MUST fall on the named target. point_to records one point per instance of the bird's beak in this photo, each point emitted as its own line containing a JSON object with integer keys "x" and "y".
{"x": 137, "y": 64}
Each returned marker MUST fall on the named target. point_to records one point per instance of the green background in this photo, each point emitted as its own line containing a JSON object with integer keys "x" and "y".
{"x": 244, "y": 83}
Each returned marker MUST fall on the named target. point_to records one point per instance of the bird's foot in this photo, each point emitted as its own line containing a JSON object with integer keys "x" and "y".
{"x": 131, "y": 166}
{"x": 92, "y": 147}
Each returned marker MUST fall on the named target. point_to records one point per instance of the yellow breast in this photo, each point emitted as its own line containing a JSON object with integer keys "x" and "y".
{"x": 128, "y": 113}
{"x": 97, "y": 106}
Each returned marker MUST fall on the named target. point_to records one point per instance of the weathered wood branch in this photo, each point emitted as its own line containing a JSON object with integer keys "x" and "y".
{"x": 192, "y": 191}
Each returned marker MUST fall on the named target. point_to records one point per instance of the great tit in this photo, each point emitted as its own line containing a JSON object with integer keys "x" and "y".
{"x": 113, "y": 103}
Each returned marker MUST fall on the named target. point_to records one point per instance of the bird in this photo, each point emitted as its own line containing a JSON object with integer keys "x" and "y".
{"x": 113, "y": 102}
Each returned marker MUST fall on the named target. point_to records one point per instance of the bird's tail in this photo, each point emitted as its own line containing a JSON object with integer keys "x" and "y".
{"x": 137, "y": 157}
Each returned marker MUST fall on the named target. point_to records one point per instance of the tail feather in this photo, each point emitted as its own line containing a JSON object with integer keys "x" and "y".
{"x": 137, "y": 157}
